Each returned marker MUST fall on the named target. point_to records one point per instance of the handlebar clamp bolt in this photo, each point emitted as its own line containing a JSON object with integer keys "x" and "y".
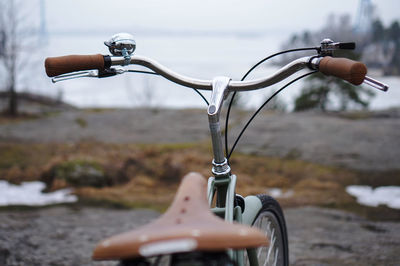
{"x": 126, "y": 56}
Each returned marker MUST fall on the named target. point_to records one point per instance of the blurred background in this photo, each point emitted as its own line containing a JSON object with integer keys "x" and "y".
{"x": 197, "y": 38}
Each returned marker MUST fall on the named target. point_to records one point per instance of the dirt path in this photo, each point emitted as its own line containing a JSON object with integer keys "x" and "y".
{"x": 66, "y": 236}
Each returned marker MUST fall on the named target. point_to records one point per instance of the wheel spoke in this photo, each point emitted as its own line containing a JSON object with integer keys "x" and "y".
{"x": 276, "y": 256}
{"x": 271, "y": 244}
{"x": 270, "y": 221}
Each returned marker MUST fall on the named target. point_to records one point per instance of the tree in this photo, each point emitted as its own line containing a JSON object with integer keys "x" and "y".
{"x": 378, "y": 31}
{"x": 394, "y": 32}
{"x": 15, "y": 34}
{"x": 329, "y": 93}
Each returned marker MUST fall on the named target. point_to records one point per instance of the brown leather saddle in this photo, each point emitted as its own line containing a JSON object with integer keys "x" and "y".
{"x": 188, "y": 225}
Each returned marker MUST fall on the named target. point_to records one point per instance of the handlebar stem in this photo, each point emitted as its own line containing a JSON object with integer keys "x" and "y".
{"x": 219, "y": 93}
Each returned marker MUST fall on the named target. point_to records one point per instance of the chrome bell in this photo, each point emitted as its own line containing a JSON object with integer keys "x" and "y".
{"x": 121, "y": 44}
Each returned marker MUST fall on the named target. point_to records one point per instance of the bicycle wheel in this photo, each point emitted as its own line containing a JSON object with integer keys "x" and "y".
{"x": 270, "y": 219}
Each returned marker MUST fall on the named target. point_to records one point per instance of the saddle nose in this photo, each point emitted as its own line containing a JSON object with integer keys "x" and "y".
{"x": 187, "y": 225}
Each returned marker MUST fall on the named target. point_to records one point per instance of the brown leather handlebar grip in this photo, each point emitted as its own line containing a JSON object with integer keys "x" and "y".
{"x": 65, "y": 64}
{"x": 352, "y": 71}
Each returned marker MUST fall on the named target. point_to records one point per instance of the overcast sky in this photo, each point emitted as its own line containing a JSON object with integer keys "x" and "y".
{"x": 227, "y": 15}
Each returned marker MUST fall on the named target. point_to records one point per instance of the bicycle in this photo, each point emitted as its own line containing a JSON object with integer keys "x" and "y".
{"x": 252, "y": 230}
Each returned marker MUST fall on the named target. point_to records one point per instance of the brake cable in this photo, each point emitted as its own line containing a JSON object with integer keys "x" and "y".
{"x": 227, "y": 153}
{"x": 262, "y": 106}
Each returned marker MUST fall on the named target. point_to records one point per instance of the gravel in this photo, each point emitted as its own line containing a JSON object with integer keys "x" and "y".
{"x": 61, "y": 235}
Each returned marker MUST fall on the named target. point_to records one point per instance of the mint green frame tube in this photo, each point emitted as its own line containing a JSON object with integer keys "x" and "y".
{"x": 230, "y": 213}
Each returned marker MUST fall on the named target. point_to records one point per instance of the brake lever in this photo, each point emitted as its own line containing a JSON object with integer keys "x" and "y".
{"x": 75, "y": 75}
{"x": 108, "y": 72}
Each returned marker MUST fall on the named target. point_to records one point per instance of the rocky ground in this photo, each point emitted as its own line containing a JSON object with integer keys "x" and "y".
{"x": 368, "y": 141}
{"x": 66, "y": 235}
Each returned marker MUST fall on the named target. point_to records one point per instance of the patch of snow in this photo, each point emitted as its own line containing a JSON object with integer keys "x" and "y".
{"x": 30, "y": 193}
{"x": 366, "y": 195}
{"x": 278, "y": 193}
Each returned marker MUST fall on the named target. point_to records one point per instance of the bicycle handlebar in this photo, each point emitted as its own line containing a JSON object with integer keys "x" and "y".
{"x": 349, "y": 70}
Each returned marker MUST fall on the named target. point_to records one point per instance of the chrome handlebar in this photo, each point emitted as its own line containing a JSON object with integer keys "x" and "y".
{"x": 167, "y": 73}
{"x": 311, "y": 62}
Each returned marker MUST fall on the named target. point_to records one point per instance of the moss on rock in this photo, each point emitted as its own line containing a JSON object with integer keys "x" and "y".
{"x": 79, "y": 173}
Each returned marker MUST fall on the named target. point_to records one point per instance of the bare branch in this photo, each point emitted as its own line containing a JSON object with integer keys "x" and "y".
{"x": 18, "y": 30}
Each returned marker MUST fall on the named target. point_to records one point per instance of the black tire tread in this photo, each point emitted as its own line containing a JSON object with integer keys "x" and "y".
{"x": 270, "y": 204}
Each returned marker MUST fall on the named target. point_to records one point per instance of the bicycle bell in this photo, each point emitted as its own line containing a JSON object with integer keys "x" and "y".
{"x": 121, "y": 44}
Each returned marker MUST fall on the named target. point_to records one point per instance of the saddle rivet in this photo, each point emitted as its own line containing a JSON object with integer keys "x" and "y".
{"x": 143, "y": 238}
{"x": 196, "y": 232}
{"x": 187, "y": 198}
{"x": 106, "y": 243}
{"x": 243, "y": 232}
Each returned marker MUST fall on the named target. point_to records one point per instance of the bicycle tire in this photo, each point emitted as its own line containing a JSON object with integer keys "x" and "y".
{"x": 271, "y": 220}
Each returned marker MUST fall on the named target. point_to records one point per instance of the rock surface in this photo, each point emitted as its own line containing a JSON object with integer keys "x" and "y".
{"x": 365, "y": 141}
{"x": 66, "y": 236}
